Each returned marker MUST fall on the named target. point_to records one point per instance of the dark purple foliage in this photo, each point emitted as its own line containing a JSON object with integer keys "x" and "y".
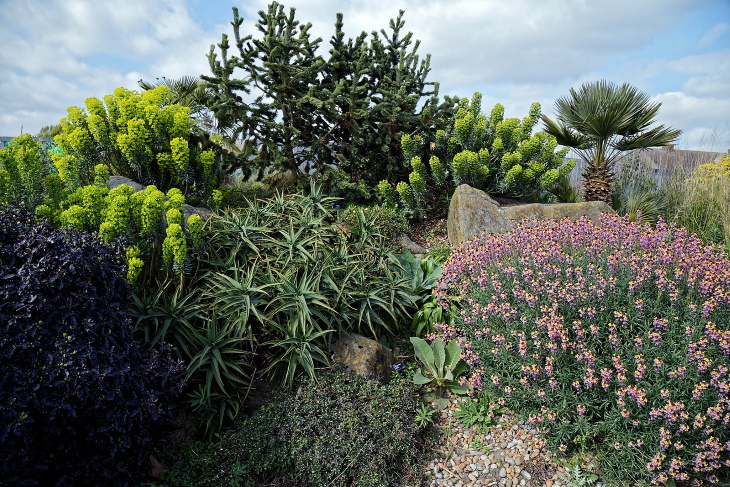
{"x": 80, "y": 398}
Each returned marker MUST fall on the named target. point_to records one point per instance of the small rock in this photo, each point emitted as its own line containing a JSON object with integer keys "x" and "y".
{"x": 526, "y": 475}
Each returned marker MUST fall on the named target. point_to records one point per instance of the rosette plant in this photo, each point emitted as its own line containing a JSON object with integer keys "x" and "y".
{"x": 442, "y": 365}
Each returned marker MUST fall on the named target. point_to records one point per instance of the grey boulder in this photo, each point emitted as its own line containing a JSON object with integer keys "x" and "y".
{"x": 472, "y": 212}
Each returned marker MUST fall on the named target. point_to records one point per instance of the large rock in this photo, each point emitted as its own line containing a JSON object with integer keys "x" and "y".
{"x": 366, "y": 357}
{"x": 472, "y": 213}
{"x": 115, "y": 181}
{"x": 406, "y": 243}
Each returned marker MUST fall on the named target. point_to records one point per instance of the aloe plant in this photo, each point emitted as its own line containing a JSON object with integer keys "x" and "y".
{"x": 219, "y": 368}
{"x": 299, "y": 352}
{"x": 282, "y": 273}
{"x": 441, "y": 363}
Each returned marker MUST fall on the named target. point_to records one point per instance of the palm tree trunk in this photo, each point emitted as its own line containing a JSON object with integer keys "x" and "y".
{"x": 597, "y": 183}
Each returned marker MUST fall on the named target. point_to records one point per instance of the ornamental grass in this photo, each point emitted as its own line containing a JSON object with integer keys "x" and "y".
{"x": 611, "y": 338}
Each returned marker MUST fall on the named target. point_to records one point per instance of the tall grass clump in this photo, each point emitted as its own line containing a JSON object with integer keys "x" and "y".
{"x": 701, "y": 203}
{"x": 612, "y": 338}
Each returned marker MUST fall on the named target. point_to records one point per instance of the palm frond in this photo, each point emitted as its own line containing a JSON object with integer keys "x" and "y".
{"x": 601, "y": 120}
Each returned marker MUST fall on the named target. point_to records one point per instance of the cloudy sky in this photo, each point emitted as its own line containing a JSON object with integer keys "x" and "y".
{"x": 57, "y": 53}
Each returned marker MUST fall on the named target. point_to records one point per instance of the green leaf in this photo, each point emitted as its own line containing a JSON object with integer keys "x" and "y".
{"x": 460, "y": 368}
{"x": 420, "y": 379}
{"x": 458, "y": 389}
{"x": 424, "y": 353}
{"x": 439, "y": 355}
{"x": 453, "y": 354}
{"x": 441, "y": 403}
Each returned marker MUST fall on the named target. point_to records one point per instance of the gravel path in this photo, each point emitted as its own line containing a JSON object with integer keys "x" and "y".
{"x": 511, "y": 454}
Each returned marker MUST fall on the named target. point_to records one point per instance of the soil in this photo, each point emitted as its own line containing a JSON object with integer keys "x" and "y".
{"x": 429, "y": 233}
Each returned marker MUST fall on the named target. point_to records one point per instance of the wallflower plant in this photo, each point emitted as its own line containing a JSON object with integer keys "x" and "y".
{"x": 611, "y": 338}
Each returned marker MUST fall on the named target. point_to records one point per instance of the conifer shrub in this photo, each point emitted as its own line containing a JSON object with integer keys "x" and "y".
{"x": 80, "y": 399}
{"x": 613, "y": 339}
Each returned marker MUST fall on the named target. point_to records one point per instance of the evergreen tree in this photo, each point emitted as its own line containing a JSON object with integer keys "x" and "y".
{"x": 282, "y": 70}
{"x": 311, "y": 114}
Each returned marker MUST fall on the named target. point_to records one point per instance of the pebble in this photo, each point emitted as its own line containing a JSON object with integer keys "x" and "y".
{"x": 511, "y": 455}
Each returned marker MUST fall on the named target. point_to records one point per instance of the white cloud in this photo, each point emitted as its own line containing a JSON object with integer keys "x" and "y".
{"x": 57, "y": 53}
{"x": 73, "y": 49}
{"x": 704, "y": 121}
{"x": 714, "y": 34}
{"x": 521, "y": 41}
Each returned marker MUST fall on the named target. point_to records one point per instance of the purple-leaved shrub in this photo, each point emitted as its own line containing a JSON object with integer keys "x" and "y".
{"x": 613, "y": 339}
{"x": 81, "y": 400}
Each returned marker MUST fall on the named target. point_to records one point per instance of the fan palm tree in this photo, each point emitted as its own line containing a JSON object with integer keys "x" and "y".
{"x": 601, "y": 121}
{"x": 188, "y": 91}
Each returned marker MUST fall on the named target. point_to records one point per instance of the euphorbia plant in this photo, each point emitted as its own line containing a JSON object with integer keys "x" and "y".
{"x": 494, "y": 154}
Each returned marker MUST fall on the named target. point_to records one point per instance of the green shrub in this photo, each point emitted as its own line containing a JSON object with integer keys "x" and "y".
{"x": 69, "y": 196}
{"x": 142, "y": 136}
{"x": 387, "y": 219}
{"x": 613, "y": 339}
{"x": 423, "y": 274}
{"x": 701, "y": 203}
{"x": 23, "y": 171}
{"x": 136, "y": 218}
{"x": 238, "y": 195}
{"x": 343, "y": 430}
